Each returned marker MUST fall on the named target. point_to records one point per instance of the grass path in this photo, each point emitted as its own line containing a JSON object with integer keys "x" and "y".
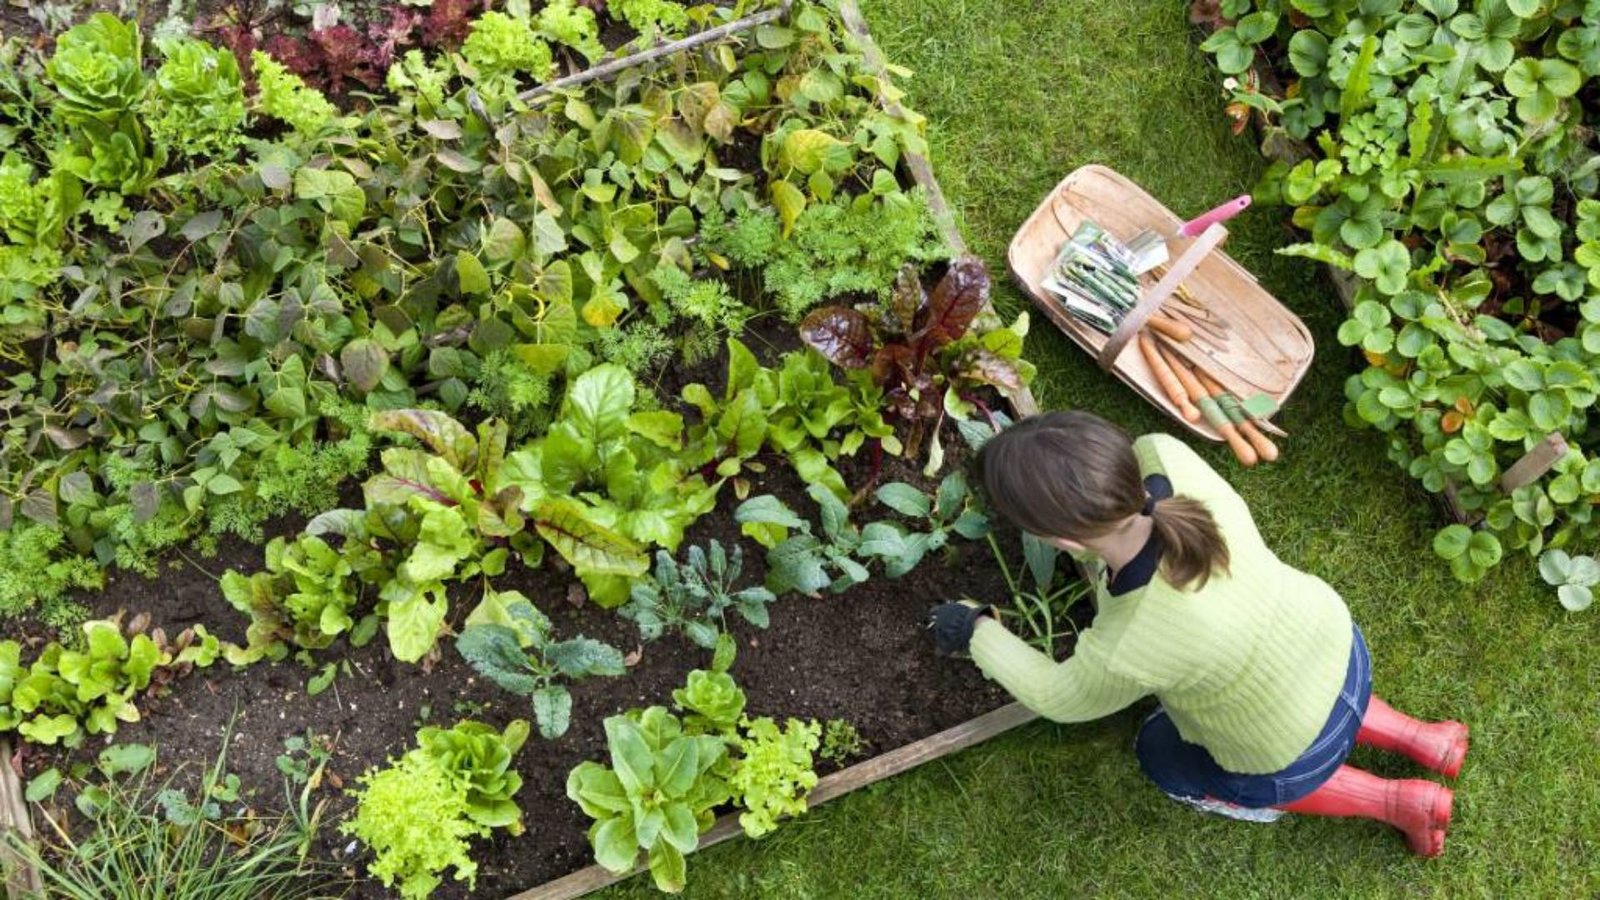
{"x": 1017, "y": 94}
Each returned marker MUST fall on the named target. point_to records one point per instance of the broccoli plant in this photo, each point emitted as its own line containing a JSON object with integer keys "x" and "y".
{"x": 695, "y": 598}
{"x": 950, "y": 511}
{"x": 805, "y": 563}
{"x": 507, "y": 640}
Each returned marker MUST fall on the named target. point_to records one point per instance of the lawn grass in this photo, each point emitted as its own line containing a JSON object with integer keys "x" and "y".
{"x": 1018, "y": 94}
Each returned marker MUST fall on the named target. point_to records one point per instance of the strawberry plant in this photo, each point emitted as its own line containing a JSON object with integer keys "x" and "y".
{"x": 1448, "y": 170}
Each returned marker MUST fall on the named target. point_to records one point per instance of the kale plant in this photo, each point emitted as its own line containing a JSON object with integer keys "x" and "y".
{"x": 507, "y": 640}
{"x": 695, "y": 598}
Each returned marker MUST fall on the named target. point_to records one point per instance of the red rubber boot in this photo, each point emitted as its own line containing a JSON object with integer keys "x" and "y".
{"x": 1440, "y": 746}
{"x": 1420, "y": 809}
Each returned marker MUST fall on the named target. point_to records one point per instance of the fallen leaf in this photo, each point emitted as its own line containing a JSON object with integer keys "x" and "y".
{"x": 633, "y": 657}
{"x": 576, "y": 595}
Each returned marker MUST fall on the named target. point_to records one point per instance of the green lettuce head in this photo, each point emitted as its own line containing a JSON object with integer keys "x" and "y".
{"x": 97, "y": 70}
{"x": 197, "y": 106}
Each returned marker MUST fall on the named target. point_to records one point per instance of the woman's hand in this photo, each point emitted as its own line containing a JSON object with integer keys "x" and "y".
{"x": 952, "y": 625}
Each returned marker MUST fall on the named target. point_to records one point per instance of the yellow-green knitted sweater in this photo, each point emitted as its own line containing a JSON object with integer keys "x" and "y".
{"x": 1248, "y": 666}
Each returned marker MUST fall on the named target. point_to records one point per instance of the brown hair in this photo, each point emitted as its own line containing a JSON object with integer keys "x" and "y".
{"x": 1074, "y": 475}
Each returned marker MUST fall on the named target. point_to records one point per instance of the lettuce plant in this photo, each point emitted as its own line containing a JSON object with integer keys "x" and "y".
{"x": 282, "y": 95}
{"x": 650, "y": 17}
{"x": 566, "y": 23}
{"x": 500, "y": 44}
{"x": 774, "y": 771}
{"x": 66, "y": 694}
{"x": 98, "y": 70}
{"x": 196, "y": 107}
{"x": 507, "y": 640}
{"x": 306, "y": 596}
{"x": 655, "y": 798}
{"x": 418, "y": 814}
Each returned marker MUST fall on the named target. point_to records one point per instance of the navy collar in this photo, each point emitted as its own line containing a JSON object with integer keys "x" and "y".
{"x": 1142, "y": 568}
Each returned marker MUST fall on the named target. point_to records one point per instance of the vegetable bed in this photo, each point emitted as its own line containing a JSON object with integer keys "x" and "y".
{"x": 861, "y": 656}
{"x": 484, "y": 441}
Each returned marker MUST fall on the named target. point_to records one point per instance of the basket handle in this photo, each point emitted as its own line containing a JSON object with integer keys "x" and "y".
{"x": 1180, "y": 269}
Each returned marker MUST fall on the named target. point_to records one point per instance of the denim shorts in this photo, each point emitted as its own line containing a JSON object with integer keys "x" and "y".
{"x": 1187, "y": 771}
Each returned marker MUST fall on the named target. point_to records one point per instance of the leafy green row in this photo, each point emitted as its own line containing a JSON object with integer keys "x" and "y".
{"x": 65, "y": 695}
{"x": 198, "y": 337}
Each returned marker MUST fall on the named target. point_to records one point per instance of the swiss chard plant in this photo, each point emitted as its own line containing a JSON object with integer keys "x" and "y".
{"x": 696, "y": 597}
{"x": 921, "y": 349}
{"x": 608, "y": 479}
{"x": 508, "y": 641}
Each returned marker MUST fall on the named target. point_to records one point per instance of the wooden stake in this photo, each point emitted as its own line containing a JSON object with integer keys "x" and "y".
{"x": 22, "y": 879}
{"x": 632, "y": 60}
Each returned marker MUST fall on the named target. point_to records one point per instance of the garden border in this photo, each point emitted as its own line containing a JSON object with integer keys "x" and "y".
{"x": 884, "y": 765}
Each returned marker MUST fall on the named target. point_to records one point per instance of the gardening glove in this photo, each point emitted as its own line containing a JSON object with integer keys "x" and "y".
{"x": 952, "y": 625}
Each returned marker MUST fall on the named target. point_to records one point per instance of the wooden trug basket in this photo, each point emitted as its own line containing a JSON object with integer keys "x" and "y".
{"x": 1269, "y": 349}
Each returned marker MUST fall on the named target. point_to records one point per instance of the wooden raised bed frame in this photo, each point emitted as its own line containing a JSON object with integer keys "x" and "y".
{"x": 22, "y": 881}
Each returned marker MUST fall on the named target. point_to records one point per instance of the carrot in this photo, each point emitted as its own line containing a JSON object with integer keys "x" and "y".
{"x": 1167, "y": 379}
{"x": 1185, "y": 376}
{"x": 1170, "y": 327}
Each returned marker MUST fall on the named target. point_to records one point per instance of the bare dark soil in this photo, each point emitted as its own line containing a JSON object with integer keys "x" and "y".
{"x": 863, "y": 656}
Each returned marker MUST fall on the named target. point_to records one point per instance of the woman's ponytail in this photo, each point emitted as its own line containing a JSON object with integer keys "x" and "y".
{"x": 1193, "y": 545}
{"x": 1074, "y": 475}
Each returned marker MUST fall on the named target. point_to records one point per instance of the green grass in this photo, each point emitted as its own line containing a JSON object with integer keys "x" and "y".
{"x": 1017, "y": 95}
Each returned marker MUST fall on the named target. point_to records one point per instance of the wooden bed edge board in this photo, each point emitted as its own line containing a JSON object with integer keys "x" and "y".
{"x": 901, "y": 759}
{"x": 21, "y": 878}
{"x": 1535, "y": 463}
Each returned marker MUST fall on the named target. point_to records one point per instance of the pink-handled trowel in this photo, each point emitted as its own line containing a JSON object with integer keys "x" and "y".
{"x": 1150, "y": 249}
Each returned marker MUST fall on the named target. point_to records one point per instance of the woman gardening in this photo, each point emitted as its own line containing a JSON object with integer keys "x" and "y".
{"x": 1264, "y": 682}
